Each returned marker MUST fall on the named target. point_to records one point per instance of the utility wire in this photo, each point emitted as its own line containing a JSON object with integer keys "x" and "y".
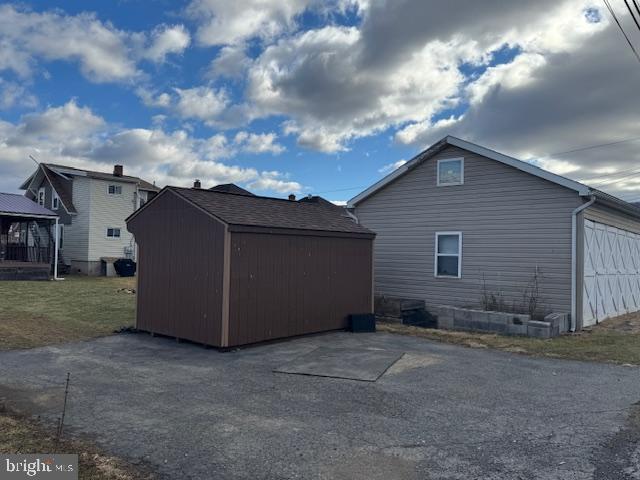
{"x": 613, "y": 14}
{"x": 581, "y": 149}
{"x": 635, "y": 4}
{"x": 635, "y": 20}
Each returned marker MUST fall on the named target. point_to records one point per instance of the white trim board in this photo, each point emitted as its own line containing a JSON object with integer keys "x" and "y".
{"x": 580, "y": 188}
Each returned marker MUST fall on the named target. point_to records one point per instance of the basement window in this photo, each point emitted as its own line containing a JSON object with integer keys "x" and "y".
{"x": 115, "y": 190}
{"x": 450, "y": 172}
{"x": 113, "y": 232}
{"x": 448, "y": 254}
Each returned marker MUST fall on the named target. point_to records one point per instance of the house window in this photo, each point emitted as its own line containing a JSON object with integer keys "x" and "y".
{"x": 450, "y": 172}
{"x": 55, "y": 201}
{"x": 448, "y": 258}
{"x": 41, "y": 197}
{"x": 113, "y": 232}
{"x": 115, "y": 190}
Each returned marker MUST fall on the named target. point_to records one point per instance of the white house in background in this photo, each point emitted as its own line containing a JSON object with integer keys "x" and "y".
{"x": 92, "y": 207}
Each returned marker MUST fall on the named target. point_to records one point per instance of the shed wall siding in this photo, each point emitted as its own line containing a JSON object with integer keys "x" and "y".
{"x": 287, "y": 285}
{"x": 109, "y": 211}
{"x": 76, "y": 235}
{"x": 511, "y": 223}
{"x": 180, "y": 271}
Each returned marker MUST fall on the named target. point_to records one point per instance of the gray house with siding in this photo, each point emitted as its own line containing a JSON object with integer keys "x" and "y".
{"x": 92, "y": 207}
{"x": 459, "y": 222}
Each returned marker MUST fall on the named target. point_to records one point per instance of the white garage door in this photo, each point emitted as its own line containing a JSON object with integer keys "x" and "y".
{"x": 611, "y": 272}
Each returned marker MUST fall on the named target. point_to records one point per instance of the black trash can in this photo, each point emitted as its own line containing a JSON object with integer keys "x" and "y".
{"x": 125, "y": 267}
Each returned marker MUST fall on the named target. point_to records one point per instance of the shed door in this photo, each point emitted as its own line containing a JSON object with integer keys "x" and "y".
{"x": 611, "y": 272}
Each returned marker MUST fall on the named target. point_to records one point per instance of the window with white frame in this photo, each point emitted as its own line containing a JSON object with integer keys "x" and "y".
{"x": 113, "y": 232}
{"x": 115, "y": 189}
{"x": 41, "y": 196}
{"x": 450, "y": 172}
{"x": 55, "y": 201}
{"x": 448, "y": 254}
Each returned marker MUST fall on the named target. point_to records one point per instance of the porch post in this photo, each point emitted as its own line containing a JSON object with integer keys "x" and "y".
{"x": 55, "y": 252}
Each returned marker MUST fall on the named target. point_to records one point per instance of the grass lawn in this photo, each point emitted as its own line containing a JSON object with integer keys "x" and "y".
{"x": 33, "y": 314}
{"x": 616, "y": 341}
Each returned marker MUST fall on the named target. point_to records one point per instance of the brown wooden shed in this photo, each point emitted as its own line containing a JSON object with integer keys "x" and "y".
{"x": 227, "y": 269}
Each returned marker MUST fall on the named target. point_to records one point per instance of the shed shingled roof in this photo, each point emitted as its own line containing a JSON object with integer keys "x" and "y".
{"x": 267, "y": 212}
{"x": 14, "y": 204}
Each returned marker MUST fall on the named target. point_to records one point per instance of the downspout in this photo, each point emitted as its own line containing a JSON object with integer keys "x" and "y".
{"x": 574, "y": 266}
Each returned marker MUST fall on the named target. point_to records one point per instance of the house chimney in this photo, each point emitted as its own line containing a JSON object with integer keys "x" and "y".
{"x": 197, "y": 184}
{"x": 292, "y": 197}
{"x": 117, "y": 170}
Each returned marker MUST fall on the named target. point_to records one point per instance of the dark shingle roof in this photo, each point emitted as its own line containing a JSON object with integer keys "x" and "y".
{"x": 144, "y": 185}
{"x": 62, "y": 188}
{"x": 230, "y": 188}
{"x": 20, "y": 205}
{"x": 270, "y": 212}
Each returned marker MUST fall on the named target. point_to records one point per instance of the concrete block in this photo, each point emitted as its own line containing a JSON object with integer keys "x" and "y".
{"x": 560, "y": 322}
{"x": 539, "y": 329}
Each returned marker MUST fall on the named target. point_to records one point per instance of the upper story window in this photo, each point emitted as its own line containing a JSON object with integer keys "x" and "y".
{"x": 113, "y": 232}
{"x": 115, "y": 189}
{"x": 55, "y": 201}
{"x": 448, "y": 261}
{"x": 450, "y": 172}
{"x": 41, "y": 196}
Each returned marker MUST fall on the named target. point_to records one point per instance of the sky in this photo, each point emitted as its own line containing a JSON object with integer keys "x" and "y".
{"x": 315, "y": 96}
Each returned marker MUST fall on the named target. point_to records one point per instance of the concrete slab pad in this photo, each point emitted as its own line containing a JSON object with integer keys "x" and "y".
{"x": 364, "y": 364}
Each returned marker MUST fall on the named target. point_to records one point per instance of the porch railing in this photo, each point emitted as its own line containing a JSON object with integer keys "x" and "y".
{"x": 22, "y": 253}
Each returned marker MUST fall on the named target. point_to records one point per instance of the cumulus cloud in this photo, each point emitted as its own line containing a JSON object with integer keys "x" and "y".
{"x": 104, "y": 53}
{"x": 74, "y": 135}
{"x": 13, "y": 94}
{"x": 258, "y": 142}
{"x": 165, "y": 40}
{"x": 390, "y": 167}
{"x": 202, "y": 103}
{"x": 229, "y": 23}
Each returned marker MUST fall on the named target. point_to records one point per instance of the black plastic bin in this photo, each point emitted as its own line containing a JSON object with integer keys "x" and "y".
{"x": 125, "y": 267}
{"x": 362, "y": 322}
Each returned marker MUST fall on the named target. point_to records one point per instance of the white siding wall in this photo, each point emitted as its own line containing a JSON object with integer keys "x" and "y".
{"x": 109, "y": 211}
{"x": 76, "y": 235}
{"x": 511, "y": 222}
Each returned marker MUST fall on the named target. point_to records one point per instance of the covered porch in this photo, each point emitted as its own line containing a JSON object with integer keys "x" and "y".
{"x": 27, "y": 239}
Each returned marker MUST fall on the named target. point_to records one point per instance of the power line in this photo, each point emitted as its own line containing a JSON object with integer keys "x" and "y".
{"x": 613, "y": 181}
{"x": 613, "y": 14}
{"x": 635, "y": 3}
{"x": 635, "y": 20}
{"x": 581, "y": 149}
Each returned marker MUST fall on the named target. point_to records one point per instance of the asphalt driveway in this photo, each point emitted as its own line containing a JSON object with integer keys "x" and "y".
{"x": 440, "y": 412}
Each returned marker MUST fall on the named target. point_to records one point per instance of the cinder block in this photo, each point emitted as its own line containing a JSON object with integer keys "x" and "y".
{"x": 560, "y": 322}
{"x": 539, "y": 329}
{"x": 514, "y": 329}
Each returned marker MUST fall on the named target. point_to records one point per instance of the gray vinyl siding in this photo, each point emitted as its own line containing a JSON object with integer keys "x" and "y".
{"x": 76, "y": 235}
{"x": 602, "y": 214}
{"x": 511, "y": 222}
{"x": 109, "y": 211}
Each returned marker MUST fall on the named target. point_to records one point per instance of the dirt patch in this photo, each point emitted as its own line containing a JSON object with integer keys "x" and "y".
{"x": 22, "y": 434}
{"x": 629, "y": 323}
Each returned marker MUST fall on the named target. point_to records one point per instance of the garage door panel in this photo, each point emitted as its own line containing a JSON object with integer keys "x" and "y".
{"x": 611, "y": 272}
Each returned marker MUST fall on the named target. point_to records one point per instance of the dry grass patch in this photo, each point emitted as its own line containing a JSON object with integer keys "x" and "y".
{"x": 602, "y": 344}
{"x": 20, "y": 434}
{"x": 34, "y": 314}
